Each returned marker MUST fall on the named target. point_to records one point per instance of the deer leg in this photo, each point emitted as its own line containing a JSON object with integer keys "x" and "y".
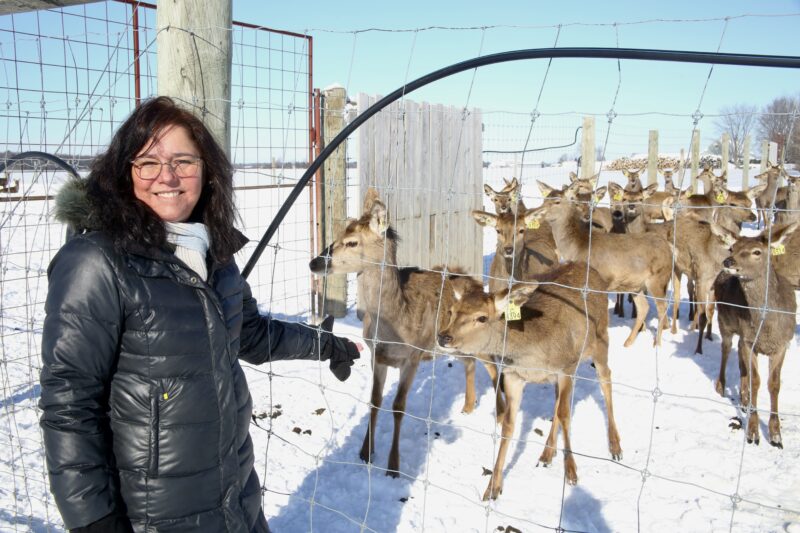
{"x": 407, "y": 373}
{"x": 513, "y": 386}
{"x": 750, "y": 381}
{"x": 619, "y": 310}
{"x": 659, "y": 292}
{"x": 774, "y": 385}
{"x": 469, "y": 394}
{"x": 633, "y": 311}
{"x": 692, "y": 305}
{"x": 550, "y": 445}
{"x": 640, "y": 301}
{"x": 699, "y": 347}
{"x": 710, "y": 308}
{"x": 726, "y": 349}
{"x": 676, "y": 297}
{"x": 604, "y": 377}
{"x": 496, "y": 376}
{"x": 563, "y": 410}
{"x": 378, "y": 380}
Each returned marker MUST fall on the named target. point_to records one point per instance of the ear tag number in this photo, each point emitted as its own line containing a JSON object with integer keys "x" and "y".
{"x": 513, "y": 312}
{"x": 532, "y": 224}
{"x": 720, "y": 197}
{"x": 778, "y": 249}
{"x": 618, "y": 196}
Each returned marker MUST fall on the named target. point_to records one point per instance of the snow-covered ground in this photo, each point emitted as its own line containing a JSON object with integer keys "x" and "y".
{"x": 685, "y": 465}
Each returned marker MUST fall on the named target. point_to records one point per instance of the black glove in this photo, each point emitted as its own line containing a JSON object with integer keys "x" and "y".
{"x": 112, "y": 523}
{"x": 339, "y": 351}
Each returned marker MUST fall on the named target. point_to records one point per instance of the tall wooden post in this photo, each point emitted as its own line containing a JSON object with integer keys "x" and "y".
{"x": 726, "y": 145}
{"x": 194, "y": 60}
{"x": 587, "y": 148}
{"x": 695, "y": 164}
{"x": 652, "y": 157}
{"x": 334, "y": 196}
{"x": 765, "y": 156}
{"x": 746, "y": 164}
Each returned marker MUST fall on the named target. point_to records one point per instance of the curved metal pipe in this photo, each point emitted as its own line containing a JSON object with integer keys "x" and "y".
{"x": 749, "y": 60}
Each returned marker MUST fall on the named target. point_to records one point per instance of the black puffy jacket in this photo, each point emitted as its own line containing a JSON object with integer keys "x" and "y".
{"x": 145, "y": 406}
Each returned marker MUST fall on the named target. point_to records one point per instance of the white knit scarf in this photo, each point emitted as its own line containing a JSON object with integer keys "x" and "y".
{"x": 191, "y": 244}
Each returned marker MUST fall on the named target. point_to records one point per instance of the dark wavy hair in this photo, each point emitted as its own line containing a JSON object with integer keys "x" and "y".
{"x": 129, "y": 220}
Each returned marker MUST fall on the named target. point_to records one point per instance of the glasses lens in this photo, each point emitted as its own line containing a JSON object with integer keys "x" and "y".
{"x": 186, "y": 167}
{"x": 148, "y": 168}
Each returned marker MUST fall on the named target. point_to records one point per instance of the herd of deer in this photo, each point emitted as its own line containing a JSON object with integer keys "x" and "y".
{"x": 546, "y": 308}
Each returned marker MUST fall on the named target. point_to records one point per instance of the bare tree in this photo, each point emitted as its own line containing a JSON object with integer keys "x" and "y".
{"x": 738, "y": 122}
{"x": 779, "y": 120}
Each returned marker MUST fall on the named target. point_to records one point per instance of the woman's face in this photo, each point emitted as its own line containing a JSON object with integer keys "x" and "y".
{"x": 172, "y": 197}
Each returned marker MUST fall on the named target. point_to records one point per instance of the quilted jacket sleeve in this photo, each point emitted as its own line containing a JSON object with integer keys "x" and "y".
{"x": 266, "y": 339}
{"x": 79, "y": 353}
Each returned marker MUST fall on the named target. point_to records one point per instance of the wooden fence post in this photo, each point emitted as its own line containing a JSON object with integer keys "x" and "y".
{"x": 196, "y": 70}
{"x": 652, "y": 158}
{"x": 765, "y": 155}
{"x": 746, "y": 164}
{"x": 587, "y": 148}
{"x": 695, "y": 165}
{"x": 726, "y": 145}
{"x": 334, "y": 197}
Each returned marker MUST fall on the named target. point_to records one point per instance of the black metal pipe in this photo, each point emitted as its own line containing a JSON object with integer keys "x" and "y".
{"x": 39, "y": 155}
{"x": 749, "y": 60}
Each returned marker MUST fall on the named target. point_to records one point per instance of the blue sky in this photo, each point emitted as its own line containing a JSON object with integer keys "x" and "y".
{"x": 378, "y": 62}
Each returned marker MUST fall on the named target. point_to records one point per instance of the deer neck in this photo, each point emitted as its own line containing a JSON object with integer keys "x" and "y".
{"x": 571, "y": 239}
{"x": 755, "y": 291}
{"x": 383, "y": 291}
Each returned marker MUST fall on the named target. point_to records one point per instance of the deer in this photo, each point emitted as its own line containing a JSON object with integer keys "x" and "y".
{"x": 758, "y": 305}
{"x": 589, "y": 196}
{"x": 555, "y": 329}
{"x": 791, "y": 209}
{"x": 652, "y": 208}
{"x": 402, "y": 313}
{"x": 630, "y": 263}
{"x": 506, "y": 199}
{"x": 771, "y": 194}
{"x": 522, "y": 251}
{"x": 634, "y": 181}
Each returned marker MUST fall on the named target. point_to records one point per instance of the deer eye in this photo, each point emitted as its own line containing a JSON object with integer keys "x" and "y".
{"x": 482, "y": 319}
{"x": 756, "y": 252}
{"x": 521, "y": 231}
{"x": 351, "y": 244}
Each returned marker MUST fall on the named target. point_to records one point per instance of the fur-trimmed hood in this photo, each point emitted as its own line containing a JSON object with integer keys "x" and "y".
{"x": 73, "y": 207}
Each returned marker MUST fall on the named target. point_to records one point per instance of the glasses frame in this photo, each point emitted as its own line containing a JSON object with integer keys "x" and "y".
{"x": 171, "y": 164}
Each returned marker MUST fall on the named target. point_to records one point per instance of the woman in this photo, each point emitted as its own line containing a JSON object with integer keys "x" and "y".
{"x": 145, "y": 407}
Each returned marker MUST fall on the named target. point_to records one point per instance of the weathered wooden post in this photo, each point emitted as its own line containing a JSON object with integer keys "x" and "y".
{"x": 746, "y": 163}
{"x": 334, "y": 197}
{"x": 652, "y": 157}
{"x": 587, "y": 148}
{"x": 194, "y": 60}
{"x": 695, "y": 164}
{"x": 765, "y": 155}
{"x": 726, "y": 145}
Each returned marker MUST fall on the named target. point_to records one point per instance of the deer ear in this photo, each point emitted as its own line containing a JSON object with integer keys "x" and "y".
{"x": 728, "y": 238}
{"x": 599, "y": 193}
{"x": 485, "y": 219}
{"x": 593, "y": 180}
{"x": 573, "y": 176}
{"x": 544, "y": 188}
{"x": 666, "y": 209}
{"x": 489, "y": 191}
{"x": 782, "y": 233}
{"x": 370, "y": 198}
{"x": 378, "y": 222}
{"x": 513, "y": 183}
{"x": 522, "y": 292}
{"x": 626, "y": 173}
{"x": 649, "y": 191}
{"x": 533, "y": 217}
{"x": 755, "y": 192}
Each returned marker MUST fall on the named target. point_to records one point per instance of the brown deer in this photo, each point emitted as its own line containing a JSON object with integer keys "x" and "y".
{"x": 630, "y": 263}
{"x": 403, "y": 313}
{"x": 791, "y": 209}
{"x": 771, "y": 194}
{"x": 507, "y": 199}
{"x": 757, "y": 304}
{"x": 652, "y": 207}
{"x": 589, "y": 197}
{"x": 634, "y": 183}
{"x": 556, "y": 328}
{"x": 522, "y": 252}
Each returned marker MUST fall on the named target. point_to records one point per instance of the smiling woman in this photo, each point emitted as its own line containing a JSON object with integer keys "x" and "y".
{"x": 145, "y": 407}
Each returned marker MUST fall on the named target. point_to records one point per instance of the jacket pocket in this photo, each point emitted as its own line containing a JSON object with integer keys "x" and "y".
{"x": 152, "y": 463}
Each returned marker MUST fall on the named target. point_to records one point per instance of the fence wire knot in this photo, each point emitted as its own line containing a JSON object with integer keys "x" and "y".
{"x": 656, "y": 393}
{"x": 290, "y": 108}
{"x": 645, "y": 475}
{"x": 535, "y": 114}
{"x": 696, "y": 116}
{"x": 611, "y": 115}
{"x": 464, "y": 113}
{"x": 735, "y": 499}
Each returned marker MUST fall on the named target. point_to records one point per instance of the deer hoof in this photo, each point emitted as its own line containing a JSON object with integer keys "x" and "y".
{"x": 492, "y": 493}
{"x": 617, "y": 456}
{"x": 393, "y": 473}
{"x": 720, "y": 388}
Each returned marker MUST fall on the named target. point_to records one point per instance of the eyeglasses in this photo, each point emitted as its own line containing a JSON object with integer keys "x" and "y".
{"x": 149, "y": 169}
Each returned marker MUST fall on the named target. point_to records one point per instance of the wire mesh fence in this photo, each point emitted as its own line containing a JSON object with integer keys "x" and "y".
{"x": 69, "y": 79}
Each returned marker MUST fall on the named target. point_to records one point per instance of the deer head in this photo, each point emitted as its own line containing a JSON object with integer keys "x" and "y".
{"x": 748, "y": 259}
{"x": 505, "y": 198}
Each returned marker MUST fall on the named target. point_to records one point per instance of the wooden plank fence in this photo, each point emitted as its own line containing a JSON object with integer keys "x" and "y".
{"x": 426, "y": 161}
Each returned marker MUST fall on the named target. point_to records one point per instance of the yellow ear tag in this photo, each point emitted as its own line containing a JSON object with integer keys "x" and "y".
{"x": 513, "y": 312}
{"x": 532, "y": 224}
{"x": 165, "y": 396}
{"x": 382, "y": 227}
{"x": 618, "y": 196}
{"x": 778, "y": 249}
{"x": 720, "y": 197}
{"x": 514, "y": 196}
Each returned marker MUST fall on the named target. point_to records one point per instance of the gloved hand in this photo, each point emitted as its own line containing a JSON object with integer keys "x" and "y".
{"x": 112, "y": 523}
{"x": 339, "y": 351}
